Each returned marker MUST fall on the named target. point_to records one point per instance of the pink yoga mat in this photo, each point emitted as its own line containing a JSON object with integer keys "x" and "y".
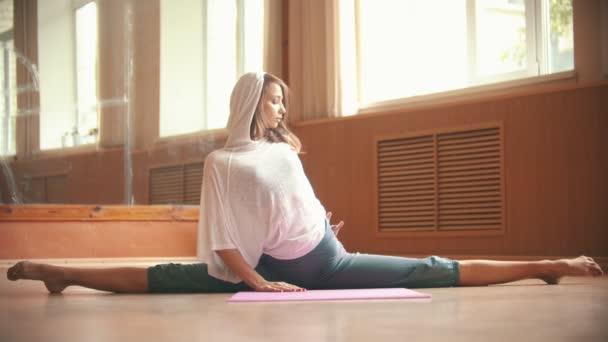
{"x": 390, "y": 293}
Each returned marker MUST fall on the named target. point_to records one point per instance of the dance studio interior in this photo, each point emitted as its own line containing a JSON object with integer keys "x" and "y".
{"x": 466, "y": 129}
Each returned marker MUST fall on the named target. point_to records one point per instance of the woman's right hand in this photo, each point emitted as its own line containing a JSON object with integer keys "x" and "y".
{"x": 277, "y": 286}
{"x": 238, "y": 265}
{"x": 335, "y": 227}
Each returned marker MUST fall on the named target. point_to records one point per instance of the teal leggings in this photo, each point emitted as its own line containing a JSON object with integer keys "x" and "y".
{"x": 328, "y": 266}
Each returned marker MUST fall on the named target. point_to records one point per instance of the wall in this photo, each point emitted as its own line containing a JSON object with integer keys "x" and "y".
{"x": 56, "y": 240}
{"x": 98, "y": 177}
{"x": 556, "y": 162}
{"x": 556, "y": 156}
{"x": 97, "y": 232}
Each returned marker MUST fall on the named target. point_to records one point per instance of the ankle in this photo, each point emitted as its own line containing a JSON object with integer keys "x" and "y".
{"x": 551, "y": 270}
{"x": 57, "y": 273}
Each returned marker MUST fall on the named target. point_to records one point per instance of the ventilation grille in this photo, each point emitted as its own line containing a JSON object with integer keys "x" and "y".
{"x": 469, "y": 177}
{"x": 441, "y": 182}
{"x": 406, "y": 182}
{"x": 178, "y": 184}
{"x": 45, "y": 189}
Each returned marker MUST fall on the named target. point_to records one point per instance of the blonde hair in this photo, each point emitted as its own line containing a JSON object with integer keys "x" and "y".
{"x": 281, "y": 133}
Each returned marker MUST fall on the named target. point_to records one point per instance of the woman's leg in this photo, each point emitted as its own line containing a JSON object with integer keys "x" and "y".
{"x": 57, "y": 278}
{"x": 163, "y": 278}
{"x": 329, "y": 266}
{"x": 364, "y": 271}
{"x": 338, "y": 269}
{"x": 487, "y": 272}
{"x": 382, "y": 271}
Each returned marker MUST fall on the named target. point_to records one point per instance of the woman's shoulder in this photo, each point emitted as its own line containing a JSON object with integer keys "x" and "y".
{"x": 215, "y": 157}
{"x": 258, "y": 150}
{"x": 281, "y": 146}
{"x": 222, "y": 155}
{"x": 212, "y": 155}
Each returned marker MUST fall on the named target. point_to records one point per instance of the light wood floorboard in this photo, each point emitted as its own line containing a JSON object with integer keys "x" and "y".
{"x": 576, "y": 310}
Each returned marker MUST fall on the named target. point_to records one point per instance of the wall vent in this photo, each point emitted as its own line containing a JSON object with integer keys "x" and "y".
{"x": 406, "y": 183}
{"x": 176, "y": 184}
{"x": 44, "y": 189}
{"x": 443, "y": 181}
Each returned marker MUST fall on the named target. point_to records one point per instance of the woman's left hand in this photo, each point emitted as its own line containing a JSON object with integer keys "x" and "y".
{"x": 335, "y": 227}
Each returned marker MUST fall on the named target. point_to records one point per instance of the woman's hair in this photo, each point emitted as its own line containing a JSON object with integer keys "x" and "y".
{"x": 281, "y": 133}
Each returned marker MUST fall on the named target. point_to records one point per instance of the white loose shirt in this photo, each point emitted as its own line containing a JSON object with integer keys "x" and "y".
{"x": 255, "y": 196}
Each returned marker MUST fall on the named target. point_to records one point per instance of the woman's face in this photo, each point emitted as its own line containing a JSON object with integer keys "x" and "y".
{"x": 271, "y": 106}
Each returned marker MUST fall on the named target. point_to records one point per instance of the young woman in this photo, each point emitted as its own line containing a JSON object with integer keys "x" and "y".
{"x": 262, "y": 228}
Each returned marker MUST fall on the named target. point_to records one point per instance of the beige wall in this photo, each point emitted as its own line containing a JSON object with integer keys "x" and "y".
{"x": 556, "y": 153}
{"x": 556, "y": 162}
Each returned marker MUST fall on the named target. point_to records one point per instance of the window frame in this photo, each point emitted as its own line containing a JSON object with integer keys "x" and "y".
{"x": 5, "y": 125}
{"x": 532, "y": 68}
{"x": 536, "y": 16}
{"x": 76, "y": 6}
{"x": 240, "y": 65}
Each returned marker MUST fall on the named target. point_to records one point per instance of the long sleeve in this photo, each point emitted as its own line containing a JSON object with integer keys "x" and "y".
{"x": 214, "y": 229}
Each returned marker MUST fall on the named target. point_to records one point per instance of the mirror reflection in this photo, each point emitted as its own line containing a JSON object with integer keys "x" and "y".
{"x": 118, "y": 102}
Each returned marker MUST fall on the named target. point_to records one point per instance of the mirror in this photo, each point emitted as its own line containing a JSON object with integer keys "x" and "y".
{"x": 119, "y": 102}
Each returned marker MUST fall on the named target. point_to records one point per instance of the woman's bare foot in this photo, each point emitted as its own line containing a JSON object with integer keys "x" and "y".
{"x": 577, "y": 267}
{"x": 52, "y": 277}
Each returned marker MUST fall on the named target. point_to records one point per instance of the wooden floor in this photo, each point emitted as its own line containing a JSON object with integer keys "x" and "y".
{"x": 576, "y": 310}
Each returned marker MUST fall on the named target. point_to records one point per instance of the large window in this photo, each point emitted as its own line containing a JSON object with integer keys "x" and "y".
{"x": 67, "y": 54}
{"x": 8, "y": 80}
{"x": 8, "y": 98}
{"x": 418, "y": 47}
{"x": 86, "y": 73}
{"x": 205, "y": 46}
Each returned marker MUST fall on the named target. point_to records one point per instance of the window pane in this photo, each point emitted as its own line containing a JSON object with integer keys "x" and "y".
{"x": 417, "y": 47}
{"x": 4, "y": 115}
{"x": 221, "y": 52}
{"x": 8, "y": 98}
{"x": 410, "y": 48}
{"x": 57, "y": 72}
{"x": 254, "y": 35}
{"x": 86, "y": 52}
{"x": 561, "y": 44}
{"x": 12, "y": 109}
{"x": 200, "y": 60}
{"x": 500, "y": 37}
{"x": 181, "y": 67}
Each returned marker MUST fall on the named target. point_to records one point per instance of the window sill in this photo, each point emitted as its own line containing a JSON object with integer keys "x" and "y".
{"x": 66, "y": 213}
{"x": 467, "y": 96}
{"x": 476, "y": 92}
{"x": 64, "y": 151}
{"x": 215, "y": 135}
